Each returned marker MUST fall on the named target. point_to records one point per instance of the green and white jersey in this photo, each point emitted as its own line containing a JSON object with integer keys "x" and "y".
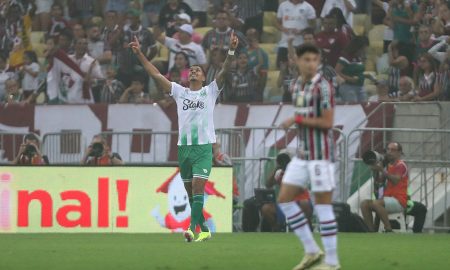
{"x": 195, "y": 113}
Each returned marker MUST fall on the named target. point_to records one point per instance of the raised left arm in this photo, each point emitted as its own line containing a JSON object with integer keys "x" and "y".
{"x": 221, "y": 76}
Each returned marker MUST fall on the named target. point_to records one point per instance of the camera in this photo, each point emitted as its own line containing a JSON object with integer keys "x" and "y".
{"x": 372, "y": 157}
{"x": 97, "y": 150}
{"x": 30, "y": 151}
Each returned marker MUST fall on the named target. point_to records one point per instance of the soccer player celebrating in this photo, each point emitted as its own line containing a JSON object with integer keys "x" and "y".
{"x": 314, "y": 104}
{"x": 195, "y": 107}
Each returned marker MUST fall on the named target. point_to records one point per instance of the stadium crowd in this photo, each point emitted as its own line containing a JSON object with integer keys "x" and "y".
{"x": 76, "y": 51}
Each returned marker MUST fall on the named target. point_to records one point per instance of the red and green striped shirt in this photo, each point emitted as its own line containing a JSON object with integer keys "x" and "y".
{"x": 310, "y": 100}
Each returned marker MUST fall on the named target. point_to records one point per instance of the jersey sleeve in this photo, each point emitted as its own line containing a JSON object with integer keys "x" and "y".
{"x": 311, "y": 13}
{"x": 176, "y": 90}
{"x": 213, "y": 89}
{"x": 326, "y": 95}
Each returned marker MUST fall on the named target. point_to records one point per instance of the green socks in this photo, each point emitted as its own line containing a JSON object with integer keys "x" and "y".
{"x": 197, "y": 212}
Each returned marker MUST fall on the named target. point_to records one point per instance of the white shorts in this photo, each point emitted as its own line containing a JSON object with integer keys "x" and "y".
{"x": 392, "y": 205}
{"x": 317, "y": 173}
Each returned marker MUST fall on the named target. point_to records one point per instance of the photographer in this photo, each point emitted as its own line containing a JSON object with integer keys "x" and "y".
{"x": 392, "y": 183}
{"x": 98, "y": 153}
{"x": 270, "y": 211}
{"x": 29, "y": 153}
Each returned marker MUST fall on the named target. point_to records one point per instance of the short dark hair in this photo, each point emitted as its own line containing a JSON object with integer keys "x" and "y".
{"x": 196, "y": 65}
{"x": 31, "y": 137}
{"x": 307, "y": 48}
{"x": 56, "y": 4}
{"x": 283, "y": 160}
{"x": 308, "y": 31}
{"x": 32, "y": 55}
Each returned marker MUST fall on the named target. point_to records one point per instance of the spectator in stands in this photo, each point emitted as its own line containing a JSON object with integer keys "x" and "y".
{"x": 308, "y": 37}
{"x": 112, "y": 89}
{"x": 111, "y": 34}
{"x": 199, "y": 10}
{"x": 382, "y": 92}
{"x": 441, "y": 26}
{"x": 428, "y": 81}
{"x": 257, "y": 57}
{"x": 395, "y": 178}
{"x": 250, "y": 14}
{"x": 57, "y": 22}
{"x": 217, "y": 57}
{"x": 424, "y": 42}
{"x": 317, "y": 4}
{"x": 135, "y": 93}
{"x": 293, "y": 17}
{"x": 99, "y": 153}
{"x": 127, "y": 61}
{"x": 5, "y": 74}
{"x": 13, "y": 92}
{"x": 41, "y": 19}
{"x": 97, "y": 47}
{"x": 350, "y": 68}
{"x": 403, "y": 16}
{"x": 406, "y": 89}
{"x": 185, "y": 44}
{"x": 152, "y": 9}
{"x": 270, "y": 211}
{"x": 29, "y": 152}
{"x": 30, "y": 71}
{"x": 401, "y": 56}
{"x": 341, "y": 24}
{"x": 78, "y": 31}
{"x": 117, "y": 6}
{"x": 81, "y": 11}
{"x": 65, "y": 41}
{"x": 288, "y": 74}
{"x": 6, "y": 43}
{"x": 179, "y": 73}
{"x": 167, "y": 18}
{"x": 244, "y": 82}
{"x": 219, "y": 37}
{"x": 183, "y": 18}
{"x": 347, "y": 8}
{"x": 331, "y": 41}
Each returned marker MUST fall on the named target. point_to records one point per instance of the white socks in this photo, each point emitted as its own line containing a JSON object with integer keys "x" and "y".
{"x": 328, "y": 231}
{"x": 299, "y": 224}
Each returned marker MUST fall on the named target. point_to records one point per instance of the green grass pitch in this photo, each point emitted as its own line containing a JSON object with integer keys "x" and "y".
{"x": 259, "y": 251}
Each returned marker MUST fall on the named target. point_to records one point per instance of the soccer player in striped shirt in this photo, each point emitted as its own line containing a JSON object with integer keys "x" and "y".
{"x": 313, "y": 98}
{"x": 195, "y": 108}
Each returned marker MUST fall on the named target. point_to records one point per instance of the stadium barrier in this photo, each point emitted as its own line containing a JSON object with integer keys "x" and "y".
{"x": 10, "y": 144}
{"x": 106, "y": 199}
{"x": 427, "y": 155}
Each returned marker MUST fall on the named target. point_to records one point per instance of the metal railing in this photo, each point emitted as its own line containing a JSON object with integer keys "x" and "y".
{"x": 10, "y": 144}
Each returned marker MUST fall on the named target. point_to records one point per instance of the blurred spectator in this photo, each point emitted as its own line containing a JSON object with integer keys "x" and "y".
{"x": 308, "y": 37}
{"x": 6, "y": 43}
{"x": 441, "y": 51}
{"x": 13, "y": 92}
{"x": 429, "y": 80}
{"x": 401, "y": 56}
{"x": 288, "y": 74}
{"x": 78, "y": 31}
{"x": 382, "y": 92}
{"x": 99, "y": 153}
{"x": 179, "y": 73}
{"x": 317, "y": 4}
{"x": 117, "y": 6}
{"x": 135, "y": 93}
{"x": 5, "y": 74}
{"x": 219, "y": 37}
{"x": 293, "y": 17}
{"x": 331, "y": 41}
{"x": 257, "y": 57}
{"x": 388, "y": 34}
{"x": 250, "y": 13}
{"x": 57, "y": 22}
{"x": 199, "y": 8}
{"x": 167, "y": 18}
{"x": 30, "y": 71}
{"x": 112, "y": 89}
{"x": 127, "y": 60}
{"x": 183, "y": 18}
{"x": 195, "y": 52}
{"x": 29, "y": 152}
{"x": 350, "y": 68}
{"x": 65, "y": 41}
{"x": 244, "y": 82}
{"x": 111, "y": 34}
{"x": 406, "y": 89}
{"x": 216, "y": 59}
{"x": 41, "y": 20}
{"x": 97, "y": 47}
{"x": 81, "y": 11}
{"x": 342, "y": 24}
{"x": 402, "y": 14}
{"x": 152, "y": 9}
{"x": 346, "y": 6}
{"x": 424, "y": 42}
{"x": 441, "y": 26}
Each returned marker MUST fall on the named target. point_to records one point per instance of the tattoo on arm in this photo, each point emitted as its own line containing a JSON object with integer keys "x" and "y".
{"x": 220, "y": 78}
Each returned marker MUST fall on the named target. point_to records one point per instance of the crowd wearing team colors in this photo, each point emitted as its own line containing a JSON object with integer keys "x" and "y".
{"x": 76, "y": 51}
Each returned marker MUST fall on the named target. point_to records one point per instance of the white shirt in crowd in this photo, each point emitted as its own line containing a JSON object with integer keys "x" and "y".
{"x": 85, "y": 63}
{"x": 30, "y": 83}
{"x": 294, "y": 16}
{"x": 4, "y": 76}
{"x": 194, "y": 51}
{"x": 198, "y": 5}
{"x": 330, "y": 4}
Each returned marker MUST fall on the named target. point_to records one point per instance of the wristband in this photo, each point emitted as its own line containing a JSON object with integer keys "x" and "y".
{"x": 298, "y": 119}
{"x": 231, "y": 52}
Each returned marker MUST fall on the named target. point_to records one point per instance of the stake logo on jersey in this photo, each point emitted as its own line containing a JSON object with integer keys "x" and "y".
{"x": 310, "y": 99}
{"x": 195, "y": 113}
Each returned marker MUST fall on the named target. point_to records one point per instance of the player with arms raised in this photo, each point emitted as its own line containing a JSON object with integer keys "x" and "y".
{"x": 195, "y": 108}
{"x": 313, "y": 98}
